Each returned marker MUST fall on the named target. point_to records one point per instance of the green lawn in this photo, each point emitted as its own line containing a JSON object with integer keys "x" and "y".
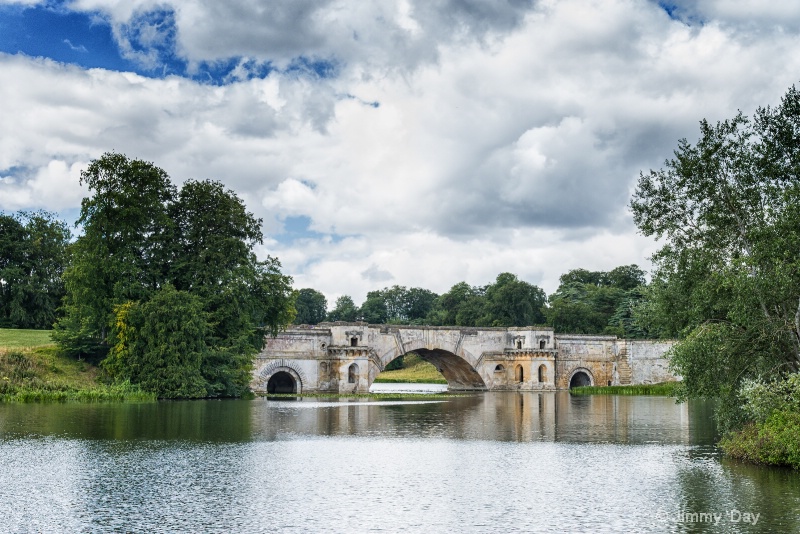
{"x": 416, "y": 371}
{"x": 17, "y": 339}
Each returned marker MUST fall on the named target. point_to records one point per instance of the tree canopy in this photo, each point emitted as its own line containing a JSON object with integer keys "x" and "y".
{"x": 147, "y": 245}
{"x": 728, "y": 276}
{"x": 311, "y": 306}
{"x": 33, "y": 254}
{"x": 344, "y": 310}
{"x": 598, "y": 302}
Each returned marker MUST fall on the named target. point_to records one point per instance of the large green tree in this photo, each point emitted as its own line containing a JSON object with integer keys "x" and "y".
{"x": 140, "y": 235}
{"x": 161, "y": 344}
{"x": 33, "y": 254}
{"x": 311, "y": 306}
{"x": 123, "y": 253}
{"x": 727, "y": 209}
{"x": 598, "y": 302}
{"x": 462, "y": 305}
{"x": 344, "y": 310}
{"x": 509, "y": 301}
{"x": 374, "y": 310}
{"x": 514, "y": 302}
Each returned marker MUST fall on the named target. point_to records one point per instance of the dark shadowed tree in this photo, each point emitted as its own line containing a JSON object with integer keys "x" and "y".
{"x": 33, "y": 254}
{"x": 311, "y": 306}
{"x": 462, "y": 305}
{"x": 373, "y": 310}
{"x": 344, "y": 310}
{"x": 513, "y": 302}
{"x": 598, "y": 302}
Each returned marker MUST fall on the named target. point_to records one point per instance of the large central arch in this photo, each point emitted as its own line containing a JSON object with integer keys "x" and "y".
{"x": 458, "y": 366}
{"x": 459, "y": 374}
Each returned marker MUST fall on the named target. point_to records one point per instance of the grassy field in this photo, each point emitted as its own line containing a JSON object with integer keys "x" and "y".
{"x": 32, "y": 370}
{"x": 17, "y": 339}
{"x": 665, "y": 389}
{"x": 415, "y": 371}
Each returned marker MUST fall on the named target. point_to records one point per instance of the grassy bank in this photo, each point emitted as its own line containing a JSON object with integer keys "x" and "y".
{"x": 32, "y": 370}
{"x": 415, "y": 371}
{"x": 665, "y": 389}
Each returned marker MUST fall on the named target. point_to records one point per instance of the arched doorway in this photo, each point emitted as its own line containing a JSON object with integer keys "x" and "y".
{"x": 281, "y": 382}
{"x": 519, "y": 374}
{"x": 580, "y": 379}
{"x": 542, "y": 373}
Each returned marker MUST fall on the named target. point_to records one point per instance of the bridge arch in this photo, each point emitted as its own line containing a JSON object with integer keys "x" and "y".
{"x": 458, "y": 366}
{"x": 580, "y": 376}
{"x": 275, "y": 375}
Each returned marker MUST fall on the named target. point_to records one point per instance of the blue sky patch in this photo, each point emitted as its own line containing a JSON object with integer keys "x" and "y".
{"x": 147, "y": 46}
{"x": 295, "y": 228}
{"x": 75, "y": 38}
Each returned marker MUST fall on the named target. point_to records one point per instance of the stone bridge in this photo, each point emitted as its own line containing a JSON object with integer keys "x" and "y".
{"x": 347, "y": 357}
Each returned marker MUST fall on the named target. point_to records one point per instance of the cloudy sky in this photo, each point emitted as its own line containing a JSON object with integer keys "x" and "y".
{"x": 411, "y": 142}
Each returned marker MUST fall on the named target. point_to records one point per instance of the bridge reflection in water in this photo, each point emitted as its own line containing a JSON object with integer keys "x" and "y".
{"x": 504, "y": 416}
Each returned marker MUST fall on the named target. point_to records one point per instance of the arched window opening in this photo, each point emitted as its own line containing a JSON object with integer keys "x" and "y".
{"x": 353, "y": 341}
{"x": 323, "y": 368}
{"x": 499, "y": 368}
{"x": 542, "y": 343}
{"x": 519, "y": 373}
{"x": 542, "y": 373}
{"x": 519, "y": 343}
{"x": 352, "y": 374}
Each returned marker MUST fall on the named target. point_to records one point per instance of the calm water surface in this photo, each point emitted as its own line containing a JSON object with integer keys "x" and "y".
{"x": 492, "y": 462}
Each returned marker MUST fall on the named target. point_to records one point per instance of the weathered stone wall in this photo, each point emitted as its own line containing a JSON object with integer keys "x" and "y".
{"x": 647, "y": 361}
{"x": 593, "y": 355}
{"x": 347, "y": 357}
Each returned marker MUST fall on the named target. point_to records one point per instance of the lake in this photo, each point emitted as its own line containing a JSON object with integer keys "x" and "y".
{"x": 488, "y": 462}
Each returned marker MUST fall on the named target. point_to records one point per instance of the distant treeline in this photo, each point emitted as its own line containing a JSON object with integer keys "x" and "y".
{"x": 586, "y": 302}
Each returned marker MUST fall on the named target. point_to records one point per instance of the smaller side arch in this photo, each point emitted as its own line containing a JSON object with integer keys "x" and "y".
{"x": 580, "y": 376}
{"x": 279, "y": 366}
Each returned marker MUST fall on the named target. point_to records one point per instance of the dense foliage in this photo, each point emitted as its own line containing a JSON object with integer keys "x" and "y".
{"x": 156, "y": 266}
{"x": 344, "y": 310}
{"x": 598, "y": 302}
{"x": 311, "y": 306}
{"x": 728, "y": 276}
{"x": 772, "y": 435}
{"x": 507, "y": 302}
{"x": 33, "y": 253}
{"x": 586, "y": 302}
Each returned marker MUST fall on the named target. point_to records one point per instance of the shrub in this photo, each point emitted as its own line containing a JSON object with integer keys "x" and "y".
{"x": 776, "y": 441}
